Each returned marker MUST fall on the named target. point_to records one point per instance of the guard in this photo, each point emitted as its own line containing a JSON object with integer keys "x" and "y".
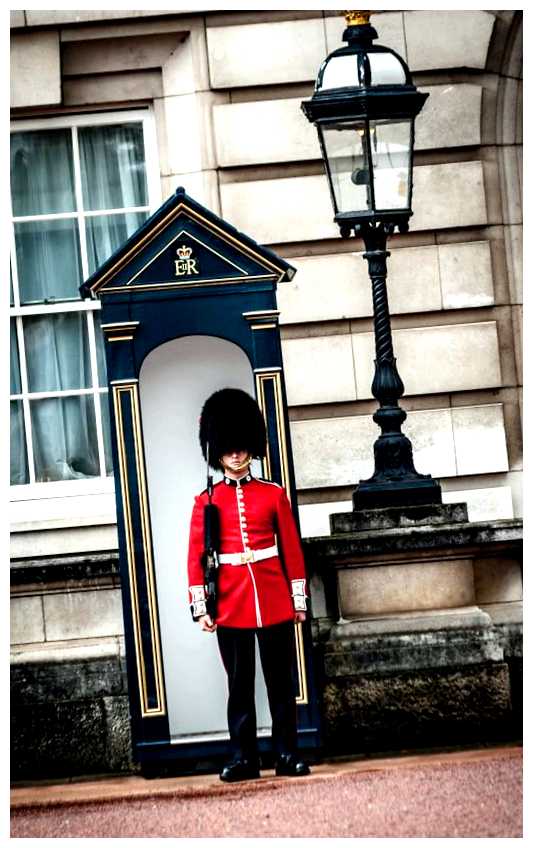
{"x": 260, "y": 589}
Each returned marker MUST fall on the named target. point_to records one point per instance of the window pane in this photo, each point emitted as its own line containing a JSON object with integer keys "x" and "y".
{"x": 15, "y": 388}
{"x": 64, "y": 438}
{"x": 42, "y": 172}
{"x": 100, "y": 350}
{"x": 104, "y": 403}
{"x": 19, "y": 460}
{"x": 48, "y": 259}
{"x": 57, "y": 352}
{"x": 112, "y": 167}
{"x": 106, "y": 233}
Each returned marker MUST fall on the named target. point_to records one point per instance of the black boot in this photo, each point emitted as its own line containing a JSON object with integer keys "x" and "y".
{"x": 289, "y": 765}
{"x": 240, "y": 770}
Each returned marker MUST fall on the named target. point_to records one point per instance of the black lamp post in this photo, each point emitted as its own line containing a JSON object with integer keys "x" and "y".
{"x": 364, "y": 108}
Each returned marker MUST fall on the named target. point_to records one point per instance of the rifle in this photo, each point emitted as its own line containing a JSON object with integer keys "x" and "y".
{"x": 211, "y": 545}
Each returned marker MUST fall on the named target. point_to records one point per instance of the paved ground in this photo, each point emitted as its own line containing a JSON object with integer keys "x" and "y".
{"x": 459, "y": 794}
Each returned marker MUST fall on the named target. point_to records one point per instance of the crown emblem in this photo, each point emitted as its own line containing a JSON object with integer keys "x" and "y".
{"x": 184, "y": 252}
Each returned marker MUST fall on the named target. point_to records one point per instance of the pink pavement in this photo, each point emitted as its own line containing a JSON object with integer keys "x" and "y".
{"x": 454, "y": 794}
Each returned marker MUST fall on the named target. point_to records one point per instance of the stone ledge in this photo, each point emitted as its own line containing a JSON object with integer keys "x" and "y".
{"x": 408, "y": 622}
{"x": 398, "y": 652}
{"x": 398, "y": 516}
{"x": 350, "y": 548}
{"x": 86, "y": 568}
{"x": 68, "y": 681}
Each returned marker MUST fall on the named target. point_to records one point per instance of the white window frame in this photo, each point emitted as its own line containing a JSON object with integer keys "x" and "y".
{"x": 36, "y": 491}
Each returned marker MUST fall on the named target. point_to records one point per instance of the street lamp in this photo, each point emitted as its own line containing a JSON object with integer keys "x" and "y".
{"x": 364, "y": 107}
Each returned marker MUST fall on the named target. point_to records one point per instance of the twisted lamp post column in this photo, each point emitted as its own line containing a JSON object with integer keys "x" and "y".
{"x": 395, "y": 480}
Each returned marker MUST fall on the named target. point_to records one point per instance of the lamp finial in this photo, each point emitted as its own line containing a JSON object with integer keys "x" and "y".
{"x": 357, "y": 18}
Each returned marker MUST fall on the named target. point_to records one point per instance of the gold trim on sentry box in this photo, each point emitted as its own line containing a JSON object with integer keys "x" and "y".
{"x": 119, "y": 338}
{"x": 203, "y": 283}
{"x": 130, "y": 388}
{"x": 261, "y": 376}
{"x": 120, "y": 326}
{"x": 263, "y": 326}
{"x": 182, "y": 207}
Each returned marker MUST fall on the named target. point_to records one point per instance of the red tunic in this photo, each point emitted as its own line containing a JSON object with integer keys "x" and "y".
{"x": 254, "y": 593}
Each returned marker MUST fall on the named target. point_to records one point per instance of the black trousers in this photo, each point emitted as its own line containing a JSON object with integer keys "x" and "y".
{"x": 276, "y": 650}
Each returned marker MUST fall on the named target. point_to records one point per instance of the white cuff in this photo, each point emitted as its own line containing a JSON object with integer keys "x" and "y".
{"x": 198, "y": 607}
{"x": 298, "y": 595}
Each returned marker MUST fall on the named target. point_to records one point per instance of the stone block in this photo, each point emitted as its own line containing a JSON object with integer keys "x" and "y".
{"x": 432, "y": 707}
{"x": 459, "y": 39}
{"x": 326, "y": 288}
{"x": 407, "y": 643}
{"x": 339, "y": 451}
{"x": 258, "y": 132}
{"x": 116, "y": 55}
{"x": 387, "y": 518}
{"x": 281, "y": 210}
{"x": 42, "y": 682}
{"x": 510, "y": 173}
{"x": 189, "y": 132}
{"x": 318, "y": 369}
{"x": 338, "y": 286}
{"x": 490, "y": 504}
{"x": 110, "y": 89}
{"x": 27, "y": 624}
{"x": 265, "y": 131}
{"x": 448, "y": 195}
{"x": 466, "y": 275}
{"x": 314, "y": 518}
{"x": 332, "y": 451}
{"x": 50, "y": 17}
{"x": 497, "y": 579}
{"x": 388, "y": 25}
{"x": 434, "y": 627}
{"x": 455, "y": 357}
{"x": 405, "y": 587}
{"x": 518, "y": 326}
{"x": 29, "y": 52}
{"x": 479, "y": 436}
{"x": 187, "y": 68}
{"x": 81, "y": 615}
{"x": 57, "y": 739}
{"x": 63, "y": 540}
{"x": 265, "y": 53}
{"x": 451, "y": 117}
{"x": 514, "y": 247}
{"x": 202, "y": 185}
{"x": 16, "y": 18}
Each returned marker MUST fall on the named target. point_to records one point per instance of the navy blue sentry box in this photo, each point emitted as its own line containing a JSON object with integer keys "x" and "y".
{"x": 184, "y": 273}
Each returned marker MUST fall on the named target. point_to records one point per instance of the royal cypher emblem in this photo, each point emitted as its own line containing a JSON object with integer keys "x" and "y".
{"x": 185, "y": 264}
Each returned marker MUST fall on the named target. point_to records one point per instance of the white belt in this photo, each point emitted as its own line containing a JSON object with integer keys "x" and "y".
{"x": 248, "y": 556}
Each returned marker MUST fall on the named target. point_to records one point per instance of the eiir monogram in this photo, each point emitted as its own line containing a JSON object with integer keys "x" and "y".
{"x": 185, "y": 266}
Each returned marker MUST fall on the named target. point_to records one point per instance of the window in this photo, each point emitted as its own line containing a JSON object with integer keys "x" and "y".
{"x": 80, "y": 185}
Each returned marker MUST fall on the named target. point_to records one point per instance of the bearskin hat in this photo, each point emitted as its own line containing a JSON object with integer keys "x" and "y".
{"x": 231, "y": 420}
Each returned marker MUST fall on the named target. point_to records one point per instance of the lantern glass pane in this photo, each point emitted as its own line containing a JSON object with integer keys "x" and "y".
{"x": 346, "y": 148}
{"x": 390, "y": 146}
{"x": 386, "y": 69}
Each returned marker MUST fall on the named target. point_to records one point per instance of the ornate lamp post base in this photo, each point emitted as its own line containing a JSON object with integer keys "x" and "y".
{"x": 395, "y": 481}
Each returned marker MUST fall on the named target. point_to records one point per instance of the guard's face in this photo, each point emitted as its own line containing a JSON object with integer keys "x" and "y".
{"x": 235, "y": 460}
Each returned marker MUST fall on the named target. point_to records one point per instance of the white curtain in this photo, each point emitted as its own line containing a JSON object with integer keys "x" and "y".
{"x": 49, "y": 269}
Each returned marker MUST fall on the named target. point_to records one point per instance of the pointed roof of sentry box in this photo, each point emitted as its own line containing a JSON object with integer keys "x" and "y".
{"x": 185, "y": 245}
